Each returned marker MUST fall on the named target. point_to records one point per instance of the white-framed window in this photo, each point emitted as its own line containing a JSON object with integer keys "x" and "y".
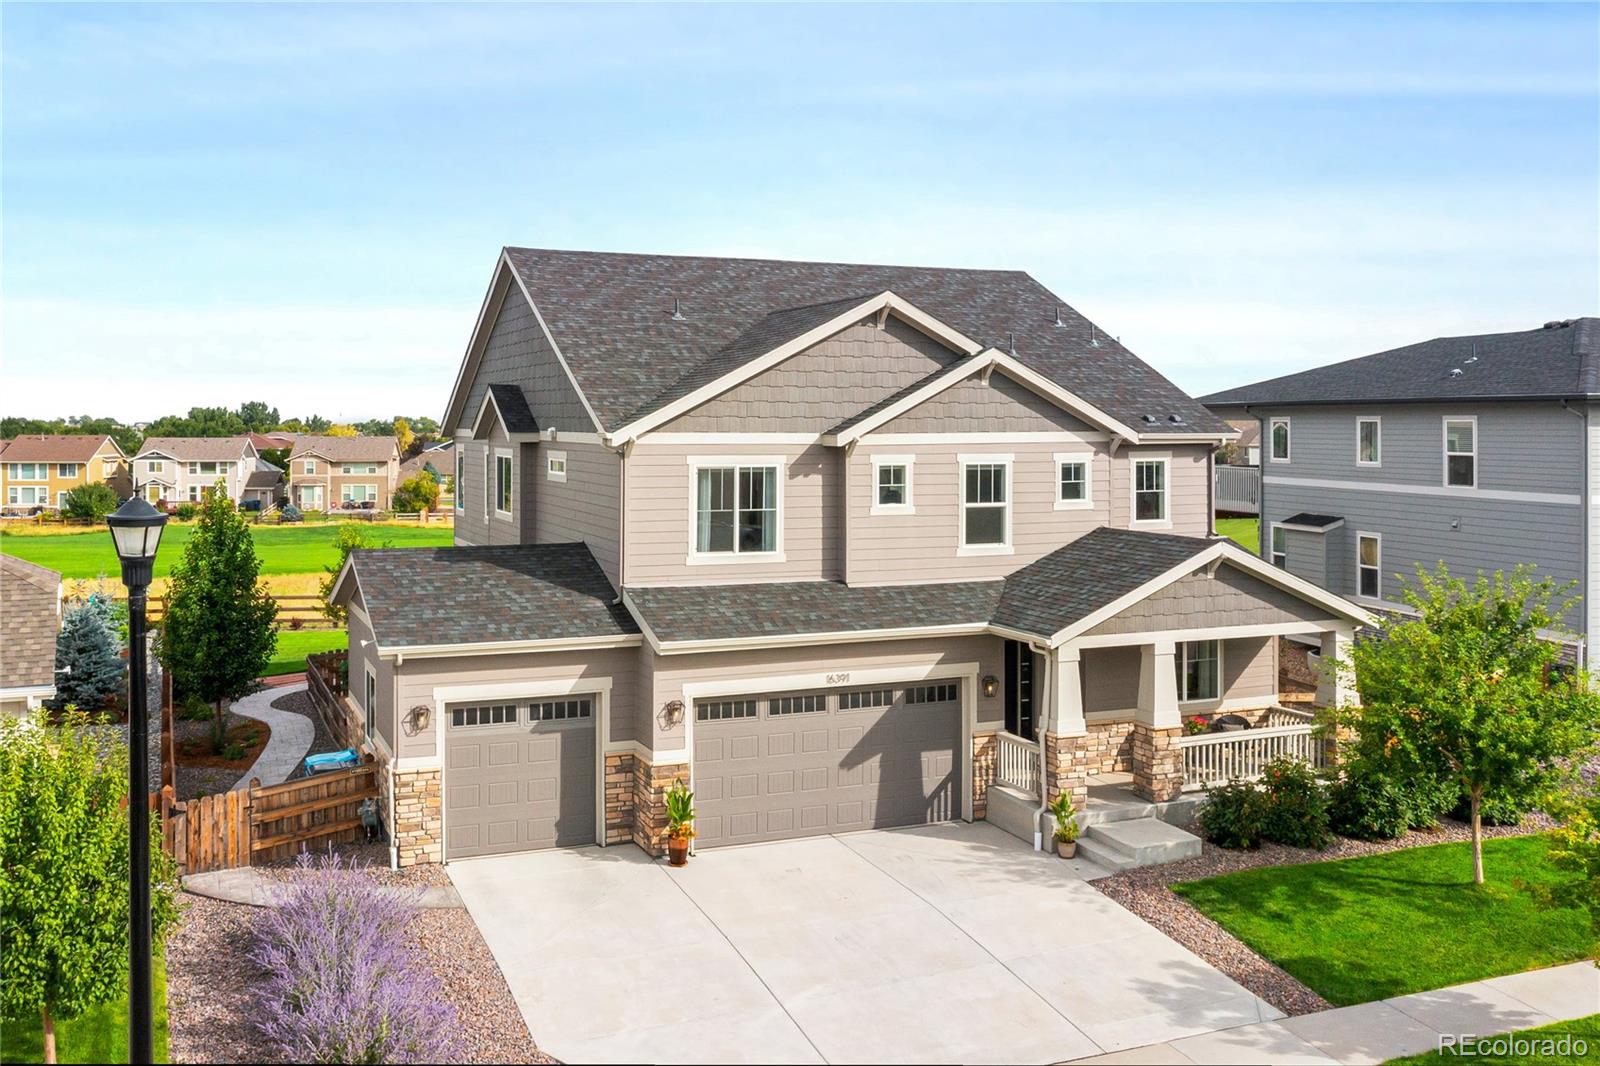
{"x": 156, "y": 466}
{"x": 461, "y": 470}
{"x": 891, "y": 484}
{"x": 736, "y": 508}
{"x": 61, "y": 499}
{"x": 358, "y": 493}
{"x": 1369, "y": 565}
{"x": 985, "y": 504}
{"x": 1461, "y": 452}
{"x": 502, "y": 483}
{"x": 1151, "y": 489}
{"x": 196, "y": 493}
{"x": 1278, "y": 440}
{"x": 308, "y": 466}
{"x": 370, "y": 702}
{"x": 1199, "y": 664}
{"x": 1074, "y": 480}
{"x": 1280, "y": 546}
{"x": 27, "y": 471}
{"x": 209, "y": 466}
{"x": 488, "y": 481}
{"x": 555, "y": 466}
{"x": 358, "y": 468}
{"x": 66, "y": 470}
{"x": 26, "y": 495}
{"x": 1369, "y": 441}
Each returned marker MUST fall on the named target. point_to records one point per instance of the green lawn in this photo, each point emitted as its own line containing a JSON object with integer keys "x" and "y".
{"x": 281, "y": 549}
{"x": 100, "y": 1035}
{"x": 1246, "y": 532}
{"x": 295, "y": 645}
{"x": 1585, "y": 1029}
{"x": 1406, "y": 921}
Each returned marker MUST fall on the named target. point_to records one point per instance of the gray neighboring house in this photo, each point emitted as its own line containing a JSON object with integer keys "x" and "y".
{"x": 30, "y": 616}
{"x": 844, "y": 547}
{"x": 1480, "y": 452}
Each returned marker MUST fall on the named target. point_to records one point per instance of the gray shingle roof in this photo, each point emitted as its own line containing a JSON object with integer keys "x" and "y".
{"x": 29, "y": 596}
{"x": 432, "y": 596}
{"x": 1561, "y": 360}
{"x": 611, "y": 317}
{"x": 344, "y": 449}
{"x": 195, "y": 449}
{"x": 512, "y": 403}
{"x": 730, "y": 612}
{"x": 1313, "y": 520}
{"x": 1098, "y": 568}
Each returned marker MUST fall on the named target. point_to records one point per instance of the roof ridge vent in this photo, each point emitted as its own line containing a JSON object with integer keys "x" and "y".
{"x": 677, "y": 311}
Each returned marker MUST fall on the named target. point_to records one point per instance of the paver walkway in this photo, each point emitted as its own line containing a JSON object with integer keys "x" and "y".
{"x": 1386, "y": 1029}
{"x": 250, "y": 887}
{"x": 292, "y": 735}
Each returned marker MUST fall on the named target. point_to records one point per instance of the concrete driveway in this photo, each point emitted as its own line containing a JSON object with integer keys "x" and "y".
{"x": 953, "y": 943}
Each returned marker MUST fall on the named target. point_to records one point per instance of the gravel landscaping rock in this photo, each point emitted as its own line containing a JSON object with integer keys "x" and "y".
{"x": 1144, "y": 891}
{"x": 300, "y": 703}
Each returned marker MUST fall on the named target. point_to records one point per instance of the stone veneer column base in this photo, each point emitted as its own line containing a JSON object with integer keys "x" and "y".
{"x": 418, "y": 829}
{"x": 1157, "y": 762}
{"x": 985, "y": 755}
{"x": 1066, "y": 767}
{"x": 650, "y": 784}
{"x": 619, "y": 797}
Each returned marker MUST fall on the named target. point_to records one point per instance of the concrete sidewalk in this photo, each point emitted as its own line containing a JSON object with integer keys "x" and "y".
{"x": 1404, "y": 1025}
{"x": 250, "y": 887}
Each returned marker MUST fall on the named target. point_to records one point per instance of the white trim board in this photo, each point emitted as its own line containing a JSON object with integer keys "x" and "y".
{"x": 1561, "y": 498}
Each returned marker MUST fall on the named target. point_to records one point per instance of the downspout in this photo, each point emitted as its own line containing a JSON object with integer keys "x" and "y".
{"x": 1041, "y": 724}
{"x": 1211, "y": 492}
{"x": 1588, "y": 519}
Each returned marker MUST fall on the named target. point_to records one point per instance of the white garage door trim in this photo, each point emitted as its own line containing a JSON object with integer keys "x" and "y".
{"x": 600, "y": 687}
{"x": 966, "y": 673}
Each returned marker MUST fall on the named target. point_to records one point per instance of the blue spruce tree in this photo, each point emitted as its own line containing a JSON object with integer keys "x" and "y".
{"x": 88, "y": 668}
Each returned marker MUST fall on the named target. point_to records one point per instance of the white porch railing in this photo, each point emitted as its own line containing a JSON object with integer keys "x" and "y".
{"x": 1017, "y": 763}
{"x": 1215, "y": 758}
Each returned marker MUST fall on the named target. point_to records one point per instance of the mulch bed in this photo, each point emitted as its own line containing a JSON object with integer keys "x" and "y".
{"x": 202, "y": 773}
{"x": 209, "y": 979}
{"x": 1144, "y": 891}
{"x": 300, "y": 703}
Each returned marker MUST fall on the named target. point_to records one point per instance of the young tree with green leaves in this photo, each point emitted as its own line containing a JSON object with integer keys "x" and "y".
{"x": 349, "y": 538}
{"x": 93, "y": 500}
{"x": 220, "y": 628}
{"x": 1575, "y": 846}
{"x": 64, "y": 896}
{"x": 417, "y": 493}
{"x": 1470, "y": 690}
{"x": 88, "y": 664}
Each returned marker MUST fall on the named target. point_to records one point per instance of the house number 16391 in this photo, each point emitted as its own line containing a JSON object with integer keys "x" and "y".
{"x": 838, "y": 679}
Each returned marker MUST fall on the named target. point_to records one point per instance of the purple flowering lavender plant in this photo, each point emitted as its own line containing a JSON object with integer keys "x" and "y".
{"x": 343, "y": 982}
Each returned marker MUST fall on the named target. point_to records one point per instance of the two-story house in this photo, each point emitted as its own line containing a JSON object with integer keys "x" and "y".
{"x": 173, "y": 470}
{"x": 842, "y": 546}
{"x": 343, "y": 473}
{"x": 37, "y": 470}
{"x": 1478, "y": 452}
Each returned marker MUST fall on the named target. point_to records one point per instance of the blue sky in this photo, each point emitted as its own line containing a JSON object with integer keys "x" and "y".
{"x": 303, "y": 204}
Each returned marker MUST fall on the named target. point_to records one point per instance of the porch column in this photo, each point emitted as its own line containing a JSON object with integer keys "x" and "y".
{"x": 1157, "y": 760}
{"x": 1336, "y": 682}
{"x": 1064, "y": 740}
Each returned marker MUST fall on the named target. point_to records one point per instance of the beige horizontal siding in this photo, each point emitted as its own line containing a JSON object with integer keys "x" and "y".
{"x": 585, "y": 506}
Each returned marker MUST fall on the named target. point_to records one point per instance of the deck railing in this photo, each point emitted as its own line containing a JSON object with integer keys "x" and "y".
{"x": 1017, "y": 763}
{"x": 1216, "y": 758}
{"x": 1238, "y": 489}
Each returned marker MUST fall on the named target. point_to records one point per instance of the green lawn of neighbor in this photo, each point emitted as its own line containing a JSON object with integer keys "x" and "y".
{"x": 1245, "y": 532}
{"x": 295, "y": 645}
{"x": 1405, "y": 921}
{"x": 99, "y": 1035}
{"x": 281, "y": 549}
{"x": 1585, "y": 1029}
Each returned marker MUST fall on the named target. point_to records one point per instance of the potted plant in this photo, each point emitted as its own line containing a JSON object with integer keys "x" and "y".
{"x": 1066, "y": 816}
{"x": 680, "y": 822}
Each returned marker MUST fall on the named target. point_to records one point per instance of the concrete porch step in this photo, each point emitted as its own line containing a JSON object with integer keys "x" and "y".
{"x": 1122, "y": 845}
{"x": 1179, "y": 812}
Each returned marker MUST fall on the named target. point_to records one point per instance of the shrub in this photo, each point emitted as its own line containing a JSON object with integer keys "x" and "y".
{"x": 1297, "y": 807}
{"x": 418, "y": 493}
{"x": 88, "y": 668}
{"x": 186, "y": 511}
{"x": 290, "y": 513}
{"x": 92, "y": 500}
{"x": 1428, "y": 799}
{"x": 343, "y": 981}
{"x": 1367, "y": 805}
{"x": 1233, "y": 815}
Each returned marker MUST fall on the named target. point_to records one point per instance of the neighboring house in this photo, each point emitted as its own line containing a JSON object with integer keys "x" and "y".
{"x": 1478, "y": 452}
{"x": 181, "y": 469}
{"x": 37, "y": 470}
{"x": 440, "y": 457}
{"x": 265, "y": 485}
{"x": 1246, "y": 450}
{"x": 277, "y": 440}
{"x": 343, "y": 473}
{"x": 843, "y": 546}
{"x": 30, "y": 616}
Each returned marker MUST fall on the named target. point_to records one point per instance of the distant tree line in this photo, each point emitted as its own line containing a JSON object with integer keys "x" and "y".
{"x": 413, "y": 432}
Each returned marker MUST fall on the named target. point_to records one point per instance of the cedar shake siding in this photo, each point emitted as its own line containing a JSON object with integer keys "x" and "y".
{"x": 1001, "y": 406}
{"x": 823, "y": 385}
{"x": 1228, "y": 598}
{"x": 517, "y": 352}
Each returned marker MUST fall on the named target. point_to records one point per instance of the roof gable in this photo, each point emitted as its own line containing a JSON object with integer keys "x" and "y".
{"x": 347, "y": 449}
{"x": 193, "y": 449}
{"x": 973, "y": 405}
{"x": 58, "y": 447}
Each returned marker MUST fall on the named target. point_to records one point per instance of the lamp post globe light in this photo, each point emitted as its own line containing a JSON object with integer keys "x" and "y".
{"x": 136, "y": 531}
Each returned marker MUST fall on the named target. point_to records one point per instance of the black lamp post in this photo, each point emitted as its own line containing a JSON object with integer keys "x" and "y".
{"x": 136, "y": 531}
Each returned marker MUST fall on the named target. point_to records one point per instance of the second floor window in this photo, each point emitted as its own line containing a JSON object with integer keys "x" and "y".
{"x": 359, "y": 468}
{"x": 736, "y": 509}
{"x": 1280, "y": 546}
{"x": 28, "y": 471}
{"x": 502, "y": 483}
{"x": 1461, "y": 452}
{"x": 461, "y": 471}
{"x": 1150, "y": 490}
{"x": 1278, "y": 432}
{"x": 66, "y": 470}
{"x": 985, "y": 507}
{"x": 1072, "y": 482}
{"x": 892, "y": 485}
{"x": 1369, "y": 565}
{"x": 156, "y": 466}
{"x": 1368, "y": 442}
{"x": 308, "y": 467}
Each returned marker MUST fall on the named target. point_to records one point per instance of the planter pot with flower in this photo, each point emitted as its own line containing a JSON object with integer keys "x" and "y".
{"x": 680, "y": 822}
{"x": 1066, "y": 816}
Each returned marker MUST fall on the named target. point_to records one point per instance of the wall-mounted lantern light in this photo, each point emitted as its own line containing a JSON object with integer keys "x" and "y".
{"x": 673, "y": 712}
{"x": 991, "y": 685}
{"x": 417, "y": 718}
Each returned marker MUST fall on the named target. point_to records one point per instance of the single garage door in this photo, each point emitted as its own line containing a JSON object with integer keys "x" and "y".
{"x": 769, "y": 767}
{"x": 519, "y": 776}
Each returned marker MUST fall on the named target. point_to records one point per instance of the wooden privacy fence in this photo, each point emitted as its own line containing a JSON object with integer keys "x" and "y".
{"x": 264, "y": 824}
{"x": 302, "y": 612}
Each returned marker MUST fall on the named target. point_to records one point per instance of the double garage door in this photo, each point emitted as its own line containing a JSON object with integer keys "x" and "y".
{"x": 519, "y": 775}
{"x": 781, "y": 765}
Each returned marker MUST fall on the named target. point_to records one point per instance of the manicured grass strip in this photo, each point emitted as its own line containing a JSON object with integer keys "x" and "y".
{"x": 1245, "y": 532}
{"x": 1356, "y": 930}
{"x": 1586, "y": 1030}
{"x": 99, "y": 1035}
{"x": 281, "y": 549}
{"x": 295, "y": 645}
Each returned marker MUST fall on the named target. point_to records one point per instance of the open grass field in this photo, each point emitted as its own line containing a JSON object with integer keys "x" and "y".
{"x": 1357, "y": 930}
{"x": 1245, "y": 532}
{"x": 295, "y": 645}
{"x": 99, "y": 1035}
{"x": 281, "y": 549}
